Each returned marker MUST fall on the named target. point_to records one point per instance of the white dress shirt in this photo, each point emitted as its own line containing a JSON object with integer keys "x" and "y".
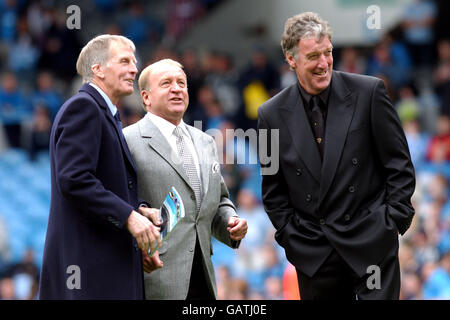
{"x": 167, "y": 129}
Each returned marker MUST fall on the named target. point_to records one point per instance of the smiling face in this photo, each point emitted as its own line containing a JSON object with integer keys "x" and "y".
{"x": 167, "y": 96}
{"x": 314, "y": 64}
{"x": 116, "y": 77}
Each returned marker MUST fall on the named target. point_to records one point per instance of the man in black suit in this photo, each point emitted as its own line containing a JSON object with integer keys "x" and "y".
{"x": 342, "y": 192}
{"x": 94, "y": 230}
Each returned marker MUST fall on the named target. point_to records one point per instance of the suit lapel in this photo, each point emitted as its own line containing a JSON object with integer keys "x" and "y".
{"x": 102, "y": 103}
{"x": 157, "y": 142}
{"x": 341, "y": 107}
{"x": 296, "y": 120}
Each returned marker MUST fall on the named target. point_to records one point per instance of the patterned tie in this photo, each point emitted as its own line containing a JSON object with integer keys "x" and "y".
{"x": 318, "y": 123}
{"x": 188, "y": 165}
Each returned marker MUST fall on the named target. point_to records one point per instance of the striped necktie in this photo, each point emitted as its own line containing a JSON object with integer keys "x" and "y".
{"x": 188, "y": 165}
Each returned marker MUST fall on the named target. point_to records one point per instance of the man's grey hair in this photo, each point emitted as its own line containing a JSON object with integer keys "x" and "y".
{"x": 302, "y": 26}
{"x": 97, "y": 51}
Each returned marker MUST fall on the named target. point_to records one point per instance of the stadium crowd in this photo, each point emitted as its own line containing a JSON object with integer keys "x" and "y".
{"x": 38, "y": 54}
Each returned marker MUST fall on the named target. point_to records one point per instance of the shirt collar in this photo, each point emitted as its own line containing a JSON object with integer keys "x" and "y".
{"x": 110, "y": 105}
{"x": 307, "y": 97}
{"x": 165, "y": 126}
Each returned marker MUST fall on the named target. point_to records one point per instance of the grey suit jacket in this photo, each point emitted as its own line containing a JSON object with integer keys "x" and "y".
{"x": 158, "y": 170}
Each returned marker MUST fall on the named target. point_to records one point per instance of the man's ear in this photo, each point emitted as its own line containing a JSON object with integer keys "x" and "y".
{"x": 291, "y": 61}
{"x": 146, "y": 100}
{"x": 97, "y": 70}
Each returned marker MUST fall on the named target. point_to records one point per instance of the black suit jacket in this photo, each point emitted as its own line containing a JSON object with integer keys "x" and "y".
{"x": 94, "y": 190}
{"x": 358, "y": 199}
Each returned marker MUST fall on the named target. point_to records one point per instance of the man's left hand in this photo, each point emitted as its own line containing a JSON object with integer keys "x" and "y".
{"x": 237, "y": 227}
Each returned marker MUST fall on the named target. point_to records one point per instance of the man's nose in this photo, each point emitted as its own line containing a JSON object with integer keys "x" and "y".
{"x": 323, "y": 62}
{"x": 133, "y": 68}
{"x": 175, "y": 87}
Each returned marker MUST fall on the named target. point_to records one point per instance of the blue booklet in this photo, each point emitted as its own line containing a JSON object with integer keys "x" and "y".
{"x": 170, "y": 213}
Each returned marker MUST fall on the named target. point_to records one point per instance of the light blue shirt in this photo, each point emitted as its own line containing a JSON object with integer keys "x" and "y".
{"x": 110, "y": 105}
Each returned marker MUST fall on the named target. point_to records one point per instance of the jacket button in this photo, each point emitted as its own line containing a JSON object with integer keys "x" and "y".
{"x": 347, "y": 217}
{"x": 136, "y": 247}
{"x": 192, "y": 197}
{"x": 351, "y": 189}
{"x": 130, "y": 184}
{"x": 308, "y": 198}
{"x": 191, "y": 249}
{"x": 299, "y": 172}
{"x": 355, "y": 161}
{"x": 322, "y": 221}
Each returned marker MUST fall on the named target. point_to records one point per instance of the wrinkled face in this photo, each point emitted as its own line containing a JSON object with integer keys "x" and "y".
{"x": 168, "y": 95}
{"x": 119, "y": 72}
{"x": 314, "y": 64}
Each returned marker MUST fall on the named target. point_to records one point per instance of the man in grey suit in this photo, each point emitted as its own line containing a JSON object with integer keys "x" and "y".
{"x": 167, "y": 153}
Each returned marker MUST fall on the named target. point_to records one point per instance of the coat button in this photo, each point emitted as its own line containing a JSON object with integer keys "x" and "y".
{"x": 355, "y": 161}
{"x": 308, "y": 198}
{"x": 322, "y": 221}
{"x": 191, "y": 249}
{"x": 136, "y": 247}
{"x": 130, "y": 184}
{"x": 299, "y": 172}
{"x": 347, "y": 217}
{"x": 351, "y": 189}
{"x": 192, "y": 197}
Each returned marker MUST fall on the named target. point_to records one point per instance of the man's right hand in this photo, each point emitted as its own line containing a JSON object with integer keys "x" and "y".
{"x": 143, "y": 230}
{"x": 151, "y": 263}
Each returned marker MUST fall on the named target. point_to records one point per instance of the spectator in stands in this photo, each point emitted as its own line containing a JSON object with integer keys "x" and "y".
{"x": 351, "y": 61}
{"x": 222, "y": 80}
{"x": 139, "y": 25}
{"x": 7, "y": 288}
{"x": 418, "y": 20}
{"x": 290, "y": 283}
{"x": 417, "y": 142}
{"x": 253, "y": 212}
{"x": 408, "y": 107}
{"x": 437, "y": 285}
{"x": 182, "y": 15}
{"x": 411, "y": 287}
{"x": 14, "y": 108}
{"x": 4, "y": 245}
{"x": 8, "y": 20}
{"x": 26, "y": 276}
{"x": 40, "y": 131}
{"x": 60, "y": 47}
{"x": 442, "y": 75}
{"x": 46, "y": 94}
{"x": 257, "y": 82}
{"x": 384, "y": 63}
{"x": 24, "y": 53}
{"x": 439, "y": 147}
{"x": 195, "y": 76}
{"x": 273, "y": 288}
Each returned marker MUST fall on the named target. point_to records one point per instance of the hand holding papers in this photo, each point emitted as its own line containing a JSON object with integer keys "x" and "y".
{"x": 170, "y": 214}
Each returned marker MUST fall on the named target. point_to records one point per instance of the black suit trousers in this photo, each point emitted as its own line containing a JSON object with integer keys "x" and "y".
{"x": 335, "y": 280}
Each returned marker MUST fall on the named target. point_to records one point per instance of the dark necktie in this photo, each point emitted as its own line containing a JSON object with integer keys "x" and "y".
{"x": 318, "y": 123}
{"x": 117, "y": 117}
